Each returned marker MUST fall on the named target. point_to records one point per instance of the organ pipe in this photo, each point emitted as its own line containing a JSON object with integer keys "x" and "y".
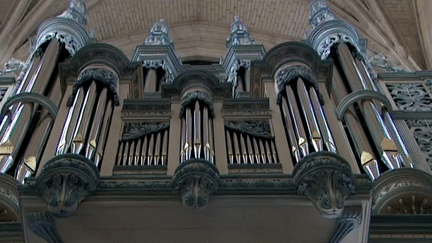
{"x": 229, "y": 146}
{"x": 157, "y": 148}
{"x": 290, "y": 131}
{"x": 96, "y": 124}
{"x": 100, "y": 147}
{"x": 197, "y": 130}
{"x": 151, "y": 145}
{"x": 84, "y": 119}
{"x": 297, "y": 122}
{"x": 144, "y": 151}
{"x": 164, "y": 153}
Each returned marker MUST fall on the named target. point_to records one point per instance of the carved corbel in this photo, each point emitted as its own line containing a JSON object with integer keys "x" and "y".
{"x": 42, "y": 224}
{"x": 350, "y": 219}
{"x": 195, "y": 181}
{"x": 326, "y": 179}
{"x": 65, "y": 181}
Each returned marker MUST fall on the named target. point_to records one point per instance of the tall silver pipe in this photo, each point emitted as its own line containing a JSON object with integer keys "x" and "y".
{"x": 183, "y": 141}
{"x": 131, "y": 152}
{"x": 274, "y": 154}
{"x": 256, "y": 149}
{"x": 407, "y": 160}
{"x": 80, "y": 133}
{"x": 268, "y": 151}
{"x": 297, "y": 122}
{"x": 164, "y": 153}
{"x": 205, "y": 133}
{"x": 137, "y": 152}
{"x": 103, "y": 135}
{"x": 125, "y": 153}
{"x": 151, "y": 146}
{"x": 250, "y": 149}
{"x": 189, "y": 124}
{"x": 157, "y": 148}
{"x": 290, "y": 131}
{"x": 34, "y": 65}
{"x": 229, "y": 147}
{"x": 96, "y": 126}
{"x": 263, "y": 153}
{"x": 70, "y": 123}
{"x": 211, "y": 144}
{"x": 322, "y": 121}
{"x": 307, "y": 108}
{"x": 197, "y": 130}
{"x": 243, "y": 149}
{"x": 237, "y": 150}
{"x": 144, "y": 151}
{"x": 120, "y": 153}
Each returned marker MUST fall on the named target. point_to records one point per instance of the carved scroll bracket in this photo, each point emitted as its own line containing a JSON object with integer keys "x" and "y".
{"x": 65, "y": 181}
{"x": 350, "y": 219}
{"x": 43, "y": 225}
{"x": 326, "y": 179}
{"x": 195, "y": 181}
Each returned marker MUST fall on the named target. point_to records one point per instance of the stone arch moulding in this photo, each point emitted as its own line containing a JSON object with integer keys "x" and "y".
{"x": 283, "y": 54}
{"x": 197, "y": 81}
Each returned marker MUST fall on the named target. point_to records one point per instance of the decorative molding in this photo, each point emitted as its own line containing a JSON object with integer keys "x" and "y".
{"x": 13, "y": 65}
{"x": 421, "y": 130}
{"x": 65, "y": 181}
{"x": 350, "y": 219}
{"x": 256, "y": 128}
{"x": 192, "y": 96}
{"x": 134, "y": 130}
{"x": 403, "y": 191}
{"x": 104, "y": 76}
{"x": 353, "y": 97}
{"x": 410, "y": 96}
{"x": 320, "y": 13}
{"x": 195, "y": 181}
{"x": 9, "y": 195}
{"x": 290, "y": 74}
{"x": 30, "y": 98}
{"x": 326, "y": 179}
{"x": 43, "y": 225}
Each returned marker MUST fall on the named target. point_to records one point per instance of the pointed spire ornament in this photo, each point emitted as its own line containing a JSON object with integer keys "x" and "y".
{"x": 159, "y": 34}
{"x": 76, "y": 11}
{"x": 239, "y": 34}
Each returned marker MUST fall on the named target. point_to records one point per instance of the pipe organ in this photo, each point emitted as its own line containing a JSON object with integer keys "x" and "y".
{"x": 304, "y": 118}
{"x": 145, "y": 148}
{"x": 250, "y": 142}
{"x": 196, "y": 128}
{"x": 87, "y": 123}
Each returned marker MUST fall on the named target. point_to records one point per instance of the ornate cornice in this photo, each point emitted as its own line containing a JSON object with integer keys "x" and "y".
{"x": 258, "y": 128}
{"x": 65, "y": 181}
{"x": 134, "y": 130}
{"x": 43, "y": 225}
{"x": 290, "y": 74}
{"x": 101, "y": 75}
{"x": 195, "y": 181}
{"x": 196, "y": 95}
{"x": 326, "y": 179}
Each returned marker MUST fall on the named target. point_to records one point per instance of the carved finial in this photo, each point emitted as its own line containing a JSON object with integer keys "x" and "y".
{"x": 320, "y": 12}
{"x": 159, "y": 34}
{"x": 239, "y": 34}
{"x": 76, "y": 11}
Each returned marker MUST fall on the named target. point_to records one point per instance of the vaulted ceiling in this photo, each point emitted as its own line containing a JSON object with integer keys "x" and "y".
{"x": 400, "y": 29}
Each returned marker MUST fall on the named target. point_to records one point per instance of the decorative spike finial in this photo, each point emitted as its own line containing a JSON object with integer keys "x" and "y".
{"x": 239, "y": 34}
{"x": 76, "y": 11}
{"x": 159, "y": 34}
{"x": 320, "y": 13}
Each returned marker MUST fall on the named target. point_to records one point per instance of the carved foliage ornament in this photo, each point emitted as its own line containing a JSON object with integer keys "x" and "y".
{"x": 422, "y": 133}
{"x": 196, "y": 95}
{"x": 195, "y": 181}
{"x": 410, "y": 96}
{"x": 104, "y": 76}
{"x": 326, "y": 179}
{"x": 255, "y": 128}
{"x": 139, "y": 129}
{"x": 290, "y": 74}
{"x": 65, "y": 181}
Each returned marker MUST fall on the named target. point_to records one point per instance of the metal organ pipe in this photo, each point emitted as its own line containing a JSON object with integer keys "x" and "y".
{"x": 290, "y": 131}
{"x": 96, "y": 125}
{"x": 297, "y": 122}
{"x": 197, "y": 130}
